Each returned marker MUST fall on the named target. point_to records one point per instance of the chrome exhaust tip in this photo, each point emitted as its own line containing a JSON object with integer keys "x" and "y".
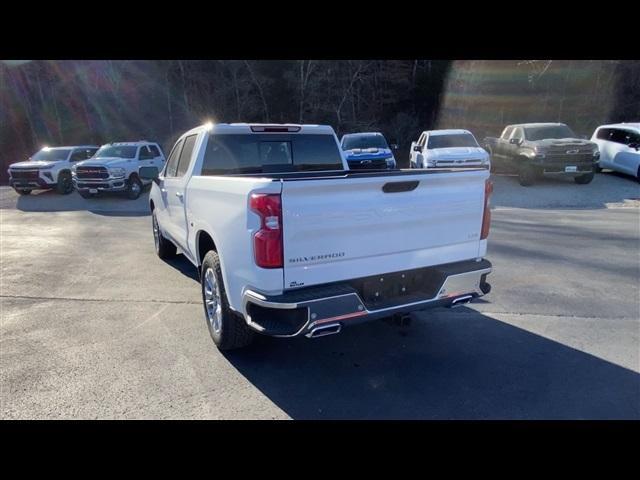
{"x": 461, "y": 301}
{"x": 324, "y": 330}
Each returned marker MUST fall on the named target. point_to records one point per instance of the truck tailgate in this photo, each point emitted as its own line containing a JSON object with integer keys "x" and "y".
{"x": 343, "y": 228}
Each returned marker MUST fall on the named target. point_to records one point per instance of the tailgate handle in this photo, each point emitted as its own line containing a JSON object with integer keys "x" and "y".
{"x": 393, "y": 187}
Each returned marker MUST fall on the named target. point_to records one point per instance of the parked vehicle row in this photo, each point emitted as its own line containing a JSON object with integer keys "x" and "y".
{"x": 90, "y": 169}
{"x": 290, "y": 241}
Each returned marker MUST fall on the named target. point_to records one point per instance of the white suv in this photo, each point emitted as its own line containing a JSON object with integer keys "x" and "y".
{"x": 619, "y": 147}
{"x": 115, "y": 168}
{"x": 48, "y": 169}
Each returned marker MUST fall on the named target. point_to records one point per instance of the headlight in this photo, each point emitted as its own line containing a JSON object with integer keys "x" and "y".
{"x": 116, "y": 172}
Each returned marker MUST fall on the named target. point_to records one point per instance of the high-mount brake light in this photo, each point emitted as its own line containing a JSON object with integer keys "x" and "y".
{"x": 275, "y": 128}
{"x": 267, "y": 241}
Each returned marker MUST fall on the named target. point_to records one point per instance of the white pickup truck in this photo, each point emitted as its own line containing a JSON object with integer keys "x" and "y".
{"x": 447, "y": 148}
{"x": 115, "y": 168}
{"x": 289, "y": 242}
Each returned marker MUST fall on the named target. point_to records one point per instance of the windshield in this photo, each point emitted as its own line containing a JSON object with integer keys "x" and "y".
{"x": 551, "y": 131}
{"x": 452, "y": 141}
{"x": 52, "y": 154}
{"x": 363, "y": 141}
{"x": 118, "y": 151}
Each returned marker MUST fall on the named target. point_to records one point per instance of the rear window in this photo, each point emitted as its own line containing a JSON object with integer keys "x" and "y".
{"x": 452, "y": 141}
{"x": 269, "y": 153}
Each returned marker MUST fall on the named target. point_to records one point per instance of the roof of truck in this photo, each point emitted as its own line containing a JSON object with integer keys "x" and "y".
{"x": 540, "y": 124}
{"x": 634, "y": 125}
{"x": 70, "y": 146}
{"x": 448, "y": 131}
{"x": 261, "y": 128}
{"x": 132, "y": 144}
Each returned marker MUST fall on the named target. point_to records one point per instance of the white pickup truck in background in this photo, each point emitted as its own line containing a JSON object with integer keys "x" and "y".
{"x": 449, "y": 149}
{"x": 289, "y": 242}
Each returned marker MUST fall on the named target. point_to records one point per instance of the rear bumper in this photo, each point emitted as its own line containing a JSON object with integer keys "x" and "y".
{"x": 298, "y": 312}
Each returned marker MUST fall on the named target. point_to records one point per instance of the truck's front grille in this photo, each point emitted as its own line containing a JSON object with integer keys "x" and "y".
{"x": 24, "y": 174}
{"x": 92, "y": 172}
{"x": 367, "y": 164}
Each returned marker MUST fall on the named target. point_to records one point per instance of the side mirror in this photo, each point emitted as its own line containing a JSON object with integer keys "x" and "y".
{"x": 149, "y": 173}
{"x": 394, "y": 146}
{"x": 635, "y": 145}
{"x": 515, "y": 141}
{"x": 417, "y": 148}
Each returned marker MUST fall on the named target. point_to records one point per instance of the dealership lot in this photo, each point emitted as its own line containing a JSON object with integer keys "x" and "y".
{"x": 94, "y": 325}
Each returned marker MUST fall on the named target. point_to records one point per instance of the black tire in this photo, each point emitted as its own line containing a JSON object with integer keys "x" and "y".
{"x": 638, "y": 175}
{"x": 526, "y": 175}
{"x": 65, "y": 185}
{"x": 134, "y": 187}
{"x": 23, "y": 191}
{"x": 597, "y": 168}
{"x": 85, "y": 193}
{"x": 164, "y": 248}
{"x": 233, "y": 331}
{"x": 584, "y": 179}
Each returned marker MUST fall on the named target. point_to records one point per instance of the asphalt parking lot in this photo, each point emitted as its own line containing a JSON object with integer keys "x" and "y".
{"x": 94, "y": 325}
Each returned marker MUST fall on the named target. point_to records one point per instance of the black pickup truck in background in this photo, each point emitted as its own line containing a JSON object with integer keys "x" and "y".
{"x": 535, "y": 149}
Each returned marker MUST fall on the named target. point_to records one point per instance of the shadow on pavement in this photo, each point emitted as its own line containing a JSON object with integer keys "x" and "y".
{"x": 108, "y": 204}
{"x": 445, "y": 366}
{"x": 184, "y": 266}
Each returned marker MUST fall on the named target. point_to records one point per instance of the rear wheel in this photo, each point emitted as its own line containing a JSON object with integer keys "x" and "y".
{"x": 164, "y": 248}
{"x": 526, "y": 175}
{"x": 227, "y": 329}
{"x": 134, "y": 187}
{"x": 584, "y": 179}
{"x": 65, "y": 185}
{"x": 23, "y": 191}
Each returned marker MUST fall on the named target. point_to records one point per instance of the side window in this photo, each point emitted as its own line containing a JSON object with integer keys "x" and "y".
{"x": 78, "y": 155}
{"x": 618, "y": 136}
{"x": 145, "y": 153}
{"x": 154, "y": 151}
{"x": 185, "y": 156}
{"x": 172, "y": 163}
{"x": 633, "y": 137}
{"x": 517, "y": 133}
{"x": 603, "y": 134}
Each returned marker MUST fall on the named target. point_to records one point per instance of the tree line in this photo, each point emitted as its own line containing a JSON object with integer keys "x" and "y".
{"x": 74, "y": 102}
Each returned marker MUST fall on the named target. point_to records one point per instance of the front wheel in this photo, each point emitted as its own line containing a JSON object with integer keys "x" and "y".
{"x": 597, "y": 168}
{"x": 227, "y": 329}
{"x": 584, "y": 179}
{"x": 526, "y": 175}
{"x": 134, "y": 187}
{"x": 65, "y": 185}
{"x": 23, "y": 191}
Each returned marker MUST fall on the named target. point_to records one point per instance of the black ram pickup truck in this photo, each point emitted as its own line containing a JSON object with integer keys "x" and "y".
{"x": 535, "y": 149}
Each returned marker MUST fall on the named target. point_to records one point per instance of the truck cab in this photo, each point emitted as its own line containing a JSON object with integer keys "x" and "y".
{"x": 115, "y": 168}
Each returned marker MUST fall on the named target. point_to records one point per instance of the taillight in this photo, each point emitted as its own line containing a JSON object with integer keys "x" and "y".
{"x": 267, "y": 242}
{"x": 486, "y": 216}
